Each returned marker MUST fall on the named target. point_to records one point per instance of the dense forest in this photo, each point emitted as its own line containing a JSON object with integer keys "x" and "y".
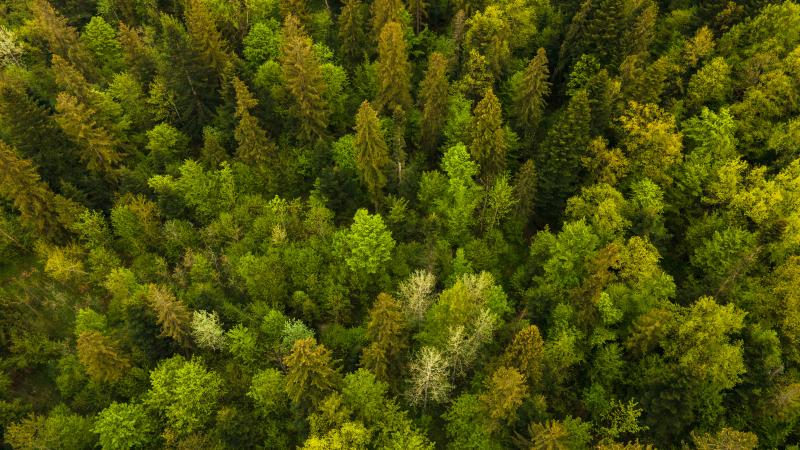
{"x": 431, "y": 224}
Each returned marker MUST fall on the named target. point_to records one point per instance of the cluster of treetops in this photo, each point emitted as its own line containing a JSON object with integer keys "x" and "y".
{"x": 468, "y": 224}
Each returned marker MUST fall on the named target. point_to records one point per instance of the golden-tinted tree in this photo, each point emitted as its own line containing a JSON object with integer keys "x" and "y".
{"x": 386, "y": 331}
{"x": 394, "y": 69}
{"x": 434, "y": 89}
{"x": 205, "y": 37}
{"x": 352, "y": 37}
{"x": 528, "y": 98}
{"x": 303, "y": 77}
{"x": 101, "y": 357}
{"x": 383, "y": 12}
{"x": 488, "y": 146}
{"x": 254, "y": 146}
{"x": 372, "y": 153}
{"x": 171, "y": 314}
{"x": 20, "y": 184}
{"x": 310, "y": 374}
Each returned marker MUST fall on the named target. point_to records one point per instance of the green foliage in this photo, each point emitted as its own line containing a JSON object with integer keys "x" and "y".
{"x": 124, "y": 426}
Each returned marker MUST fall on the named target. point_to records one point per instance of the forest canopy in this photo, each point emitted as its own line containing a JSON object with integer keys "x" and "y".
{"x": 386, "y": 224}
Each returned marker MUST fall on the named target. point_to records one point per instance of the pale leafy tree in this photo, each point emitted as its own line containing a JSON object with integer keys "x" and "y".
{"x": 10, "y": 50}
{"x": 207, "y": 331}
{"x": 464, "y": 344}
{"x": 429, "y": 378}
{"x": 416, "y": 294}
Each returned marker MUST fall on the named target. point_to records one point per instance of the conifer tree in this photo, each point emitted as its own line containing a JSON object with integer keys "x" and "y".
{"x": 505, "y": 392}
{"x": 386, "y": 331}
{"x": 488, "y": 146}
{"x": 352, "y": 37}
{"x": 304, "y": 81}
{"x": 476, "y": 76}
{"x": 171, "y": 314}
{"x": 528, "y": 98}
{"x": 383, "y": 12}
{"x": 434, "y": 89}
{"x": 206, "y": 40}
{"x": 187, "y": 76}
{"x": 252, "y": 139}
{"x": 394, "y": 69}
{"x": 60, "y": 36}
{"x": 138, "y": 57}
{"x": 419, "y": 13}
{"x": 372, "y": 154}
{"x": 98, "y": 148}
{"x": 296, "y": 8}
{"x": 526, "y": 353}
{"x": 559, "y": 162}
{"x": 100, "y": 356}
{"x": 21, "y": 185}
{"x": 310, "y": 374}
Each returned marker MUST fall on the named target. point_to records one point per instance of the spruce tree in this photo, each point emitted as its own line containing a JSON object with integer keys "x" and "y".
{"x": 304, "y": 81}
{"x": 254, "y": 146}
{"x": 419, "y": 13}
{"x": 206, "y": 40}
{"x": 99, "y": 150}
{"x": 394, "y": 69}
{"x": 310, "y": 374}
{"x": 372, "y": 153}
{"x": 476, "y": 77}
{"x": 383, "y": 12}
{"x": 488, "y": 146}
{"x": 386, "y": 331}
{"x": 171, "y": 314}
{"x": 559, "y": 161}
{"x": 101, "y": 357}
{"x": 21, "y": 185}
{"x": 352, "y": 38}
{"x": 528, "y": 98}
{"x": 434, "y": 90}
{"x": 61, "y": 38}
{"x": 187, "y": 76}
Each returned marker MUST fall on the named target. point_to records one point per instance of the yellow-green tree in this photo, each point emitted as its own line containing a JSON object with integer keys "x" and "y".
{"x": 433, "y": 96}
{"x": 488, "y": 146}
{"x": 394, "y": 69}
{"x": 386, "y": 331}
{"x": 372, "y": 154}
{"x": 254, "y": 146}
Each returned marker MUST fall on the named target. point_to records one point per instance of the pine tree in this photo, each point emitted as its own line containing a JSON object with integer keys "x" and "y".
{"x": 310, "y": 374}
{"x": 559, "y": 161}
{"x": 304, "y": 81}
{"x": 386, "y": 331}
{"x": 252, "y": 139}
{"x": 352, "y": 38}
{"x": 101, "y": 357}
{"x": 434, "y": 90}
{"x": 171, "y": 314}
{"x": 188, "y": 77}
{"x": 488, "y": 146}
{"x": 206, "y": 40}
{"x": 21, "y": 185}
{"x": 394, "y": 69}
{"x": 383, "y": 12}
{"x": 98, "y": 148}
{"x": 372, "y": 154}
{"x": 528, "y": 98}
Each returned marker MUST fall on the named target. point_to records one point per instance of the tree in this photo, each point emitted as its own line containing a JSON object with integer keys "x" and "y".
{"x": 310, "y": 373}
{"x": 100, "y": 39}
{"x": 101, "y": 357}
{"x": 254, "y": 146}
{"x": 124, "y": 426}
{"x": 185, "y": 392}
{"x": 559, "y": 160}
{"x": 505, "y": 392}
{"x": 429, "y": 378}
{"x": 726, "y": 438}
{"x": 394, "y": 69}
{"x": 529, "y": 94}
{"x": 651, "y": 142}
{"x": 419, "y": 13}
{"x": 205, "y": 39}
{"x": 488, "y": 34}
{"x": 352, "y": 39}
{"x": 384, "y": 12}
{"x": 171, "y": 314}
{"x": 21, "y": 185}
{"x": 526, "y": 353}
{"x": 99, "y": 148}
{"x": 367, "y": 246}
{"x": 386, "y": 331}
{"x": 207, "y": 331}
{"x": 62, "y": 39}
{"x": 488, "y": 146}
{"x": 433, "y": 96}
{"x": 372, "y": 154}
{"x": 416, "y": 293}
{"x": 304, "y": 80}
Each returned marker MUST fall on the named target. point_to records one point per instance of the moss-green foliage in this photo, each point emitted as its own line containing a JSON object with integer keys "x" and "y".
{"x": 399, "y": 225}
